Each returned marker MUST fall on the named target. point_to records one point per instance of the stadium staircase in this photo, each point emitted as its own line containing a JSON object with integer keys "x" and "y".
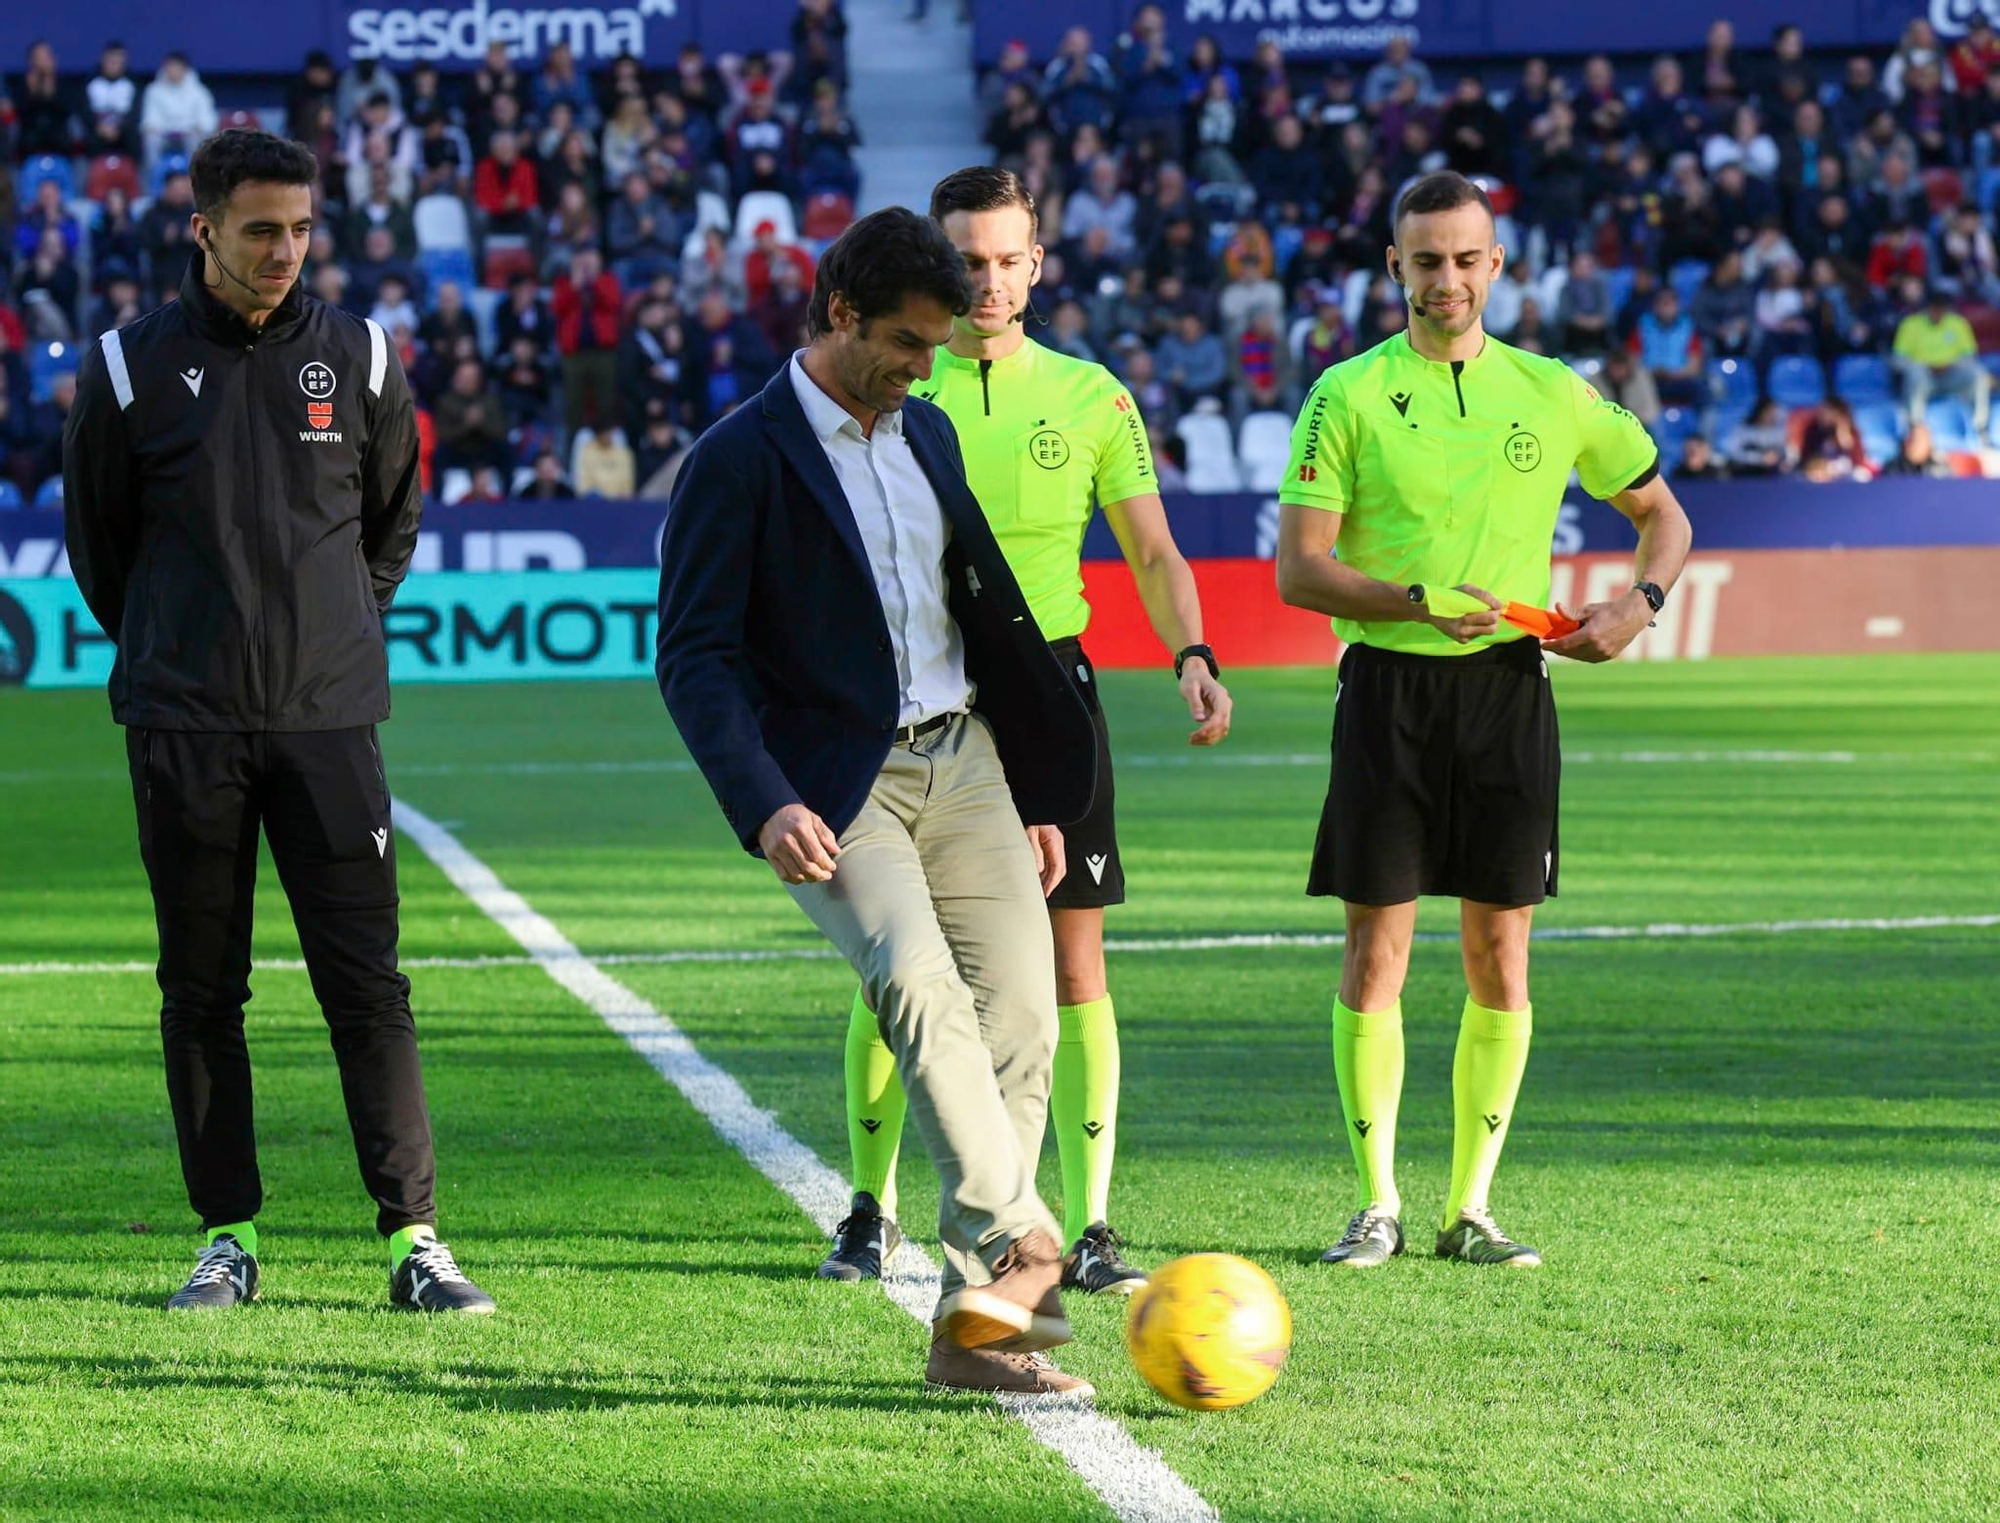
{"x": 911, "y": 91}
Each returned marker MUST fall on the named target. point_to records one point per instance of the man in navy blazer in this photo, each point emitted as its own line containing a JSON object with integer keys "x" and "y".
{"x": 855, "y": 671}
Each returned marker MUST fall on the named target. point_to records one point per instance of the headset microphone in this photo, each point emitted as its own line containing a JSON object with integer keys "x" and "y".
{"x": 207, "y": 246}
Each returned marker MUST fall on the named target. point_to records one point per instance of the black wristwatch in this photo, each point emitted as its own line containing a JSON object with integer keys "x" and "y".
{"x": 1181, "y": 660}
{"x": 1650, "y": 591}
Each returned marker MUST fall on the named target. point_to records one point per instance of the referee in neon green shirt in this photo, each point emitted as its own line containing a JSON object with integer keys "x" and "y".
{"x": 1046, "y": 438}
{"x": 1438, "y": 459}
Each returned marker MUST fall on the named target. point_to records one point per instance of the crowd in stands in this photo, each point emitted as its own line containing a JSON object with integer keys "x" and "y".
{"x": 1779, "y": 262}
{"x": 579, "y": 272}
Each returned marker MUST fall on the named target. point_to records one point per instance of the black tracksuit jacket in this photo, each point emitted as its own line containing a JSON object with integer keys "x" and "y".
{"x": 240, "y": 507}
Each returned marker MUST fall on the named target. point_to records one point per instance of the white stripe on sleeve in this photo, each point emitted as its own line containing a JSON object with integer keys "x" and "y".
{"x": 114, "y": 363}
{"x": 378, "y": 356}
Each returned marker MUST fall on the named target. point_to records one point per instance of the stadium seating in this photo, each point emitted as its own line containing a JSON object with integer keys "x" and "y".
{"x": 1675, "y": 425}
{"x": 710, "y": 210}
{"x": 108, "y": 172}
{"x": 1211, "y": 454}
{"x": 1951, "y": 425}
{"x": 439, "y": 265}
{"x": 505, "y": 258}
{"x": 42, "y": 168}
{"x": 50, "y": 493}
{"x": 46, "y": 362}
{"x": 441, "y": 223}
{"x": 1880, "y": 424}
{"x": 1686, "y": 278}
{"x": 760, "y": 206}
{"x": 1796, "y": 380}
{"x": 1943, "y": 189}
{"x": 827, "y": 216}
{"x": 1263, "y": 447}
{"x": 1863, "y": 378}
{"x": 1732, "y": 382}
{"x": 10, "y": 496}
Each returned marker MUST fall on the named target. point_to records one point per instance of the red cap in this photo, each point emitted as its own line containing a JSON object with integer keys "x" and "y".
{"x": 765, "y": 227}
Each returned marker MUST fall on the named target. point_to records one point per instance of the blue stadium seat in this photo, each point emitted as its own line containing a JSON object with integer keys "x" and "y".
{"x": 49, "y": 493}
{"x": 1881, "y": 427}
{"x": 446, "y": 264}
{"x": 1796, "y": 380}
{"x": 1726, "y": 416}
{"x": 46, "y": 167}
{"x": 10, "y": 496}
{"x": 1675, "y": 424}
{"x": 1951, "y": 424}
{"x": 1686, "y": 278}
{"x": 170, "y": 164}
{"x": 1618, "y": 279}
{"x": 1859, "y": 378}
{"x": 1732, "y": 382}
{"x": 46, "y": 362}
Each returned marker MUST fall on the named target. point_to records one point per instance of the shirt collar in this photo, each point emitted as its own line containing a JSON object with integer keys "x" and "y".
{"x": 959, "y": 362}
{"x": 1410, "y": 353}
{"x": 826, "y": 416}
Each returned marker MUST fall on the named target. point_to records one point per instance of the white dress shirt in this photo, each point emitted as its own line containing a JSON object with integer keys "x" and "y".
{"x": 904, "y": 531}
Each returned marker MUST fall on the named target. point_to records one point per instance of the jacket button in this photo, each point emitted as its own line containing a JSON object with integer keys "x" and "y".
{"x": 881, "y": 642}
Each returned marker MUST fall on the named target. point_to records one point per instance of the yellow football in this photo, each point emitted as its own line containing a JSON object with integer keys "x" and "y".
{"x": 1209, "y": 1331}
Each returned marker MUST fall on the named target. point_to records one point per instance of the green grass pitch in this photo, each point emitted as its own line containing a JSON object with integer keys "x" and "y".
{"x": 1764, "y": 1168}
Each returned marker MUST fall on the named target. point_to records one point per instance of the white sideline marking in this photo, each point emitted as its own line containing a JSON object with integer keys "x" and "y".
{"x": 1665, "y": 930}
{"x": 647, "y": 766}
{"x": 1134, "y": 1481}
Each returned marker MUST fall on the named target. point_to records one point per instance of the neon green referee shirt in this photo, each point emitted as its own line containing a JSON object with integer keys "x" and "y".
{"x": 1046, "y": 438}
{"x": 1454, "y": 472}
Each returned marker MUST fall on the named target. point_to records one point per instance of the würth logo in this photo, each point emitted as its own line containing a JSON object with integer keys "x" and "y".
{"x": 1308, "y": 473}
{"x": 319, "y": 414}
{"x": 1121, "y": 404}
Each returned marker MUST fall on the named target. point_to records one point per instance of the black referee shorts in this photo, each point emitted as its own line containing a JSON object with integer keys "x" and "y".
{"x": 1445, "y": 776}
{"x": 1095, "y": 877}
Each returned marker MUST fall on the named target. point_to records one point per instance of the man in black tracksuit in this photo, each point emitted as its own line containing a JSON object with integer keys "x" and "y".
{"x": 241, "y": 493}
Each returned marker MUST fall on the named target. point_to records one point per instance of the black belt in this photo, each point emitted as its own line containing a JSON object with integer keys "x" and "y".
{"x": 909, "y": 732}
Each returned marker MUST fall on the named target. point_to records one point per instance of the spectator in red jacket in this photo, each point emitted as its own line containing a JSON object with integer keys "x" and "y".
{"x": 760, "y": 265}
{"x": 1897, "y": 251}
{"x": 587, "y": 299}
{"x": 506, "y": 189}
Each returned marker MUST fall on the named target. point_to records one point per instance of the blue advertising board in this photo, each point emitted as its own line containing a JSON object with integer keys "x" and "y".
{"x": 1463, "y": 29}
{"x": 247, "y": 36}
{"x": 1769, "y": 514}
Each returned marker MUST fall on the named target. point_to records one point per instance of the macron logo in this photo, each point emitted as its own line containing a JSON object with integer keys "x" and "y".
{"x": 193, "y": 379}
{"x": 381, "y": 841}
{"x": 1096, "y": 866}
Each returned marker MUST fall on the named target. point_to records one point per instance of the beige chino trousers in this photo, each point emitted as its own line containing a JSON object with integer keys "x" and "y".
{"x": 935, "y": 902}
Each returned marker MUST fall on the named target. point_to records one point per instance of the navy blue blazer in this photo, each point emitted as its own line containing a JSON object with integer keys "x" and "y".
{"x": 774, "y": 654}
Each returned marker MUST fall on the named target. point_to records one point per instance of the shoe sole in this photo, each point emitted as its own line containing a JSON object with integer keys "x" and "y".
{"x": 1518, "y": 1261}
{"x": 1357, "y": 1263}
{"x": 1116, "y": 1288}
{"x": 1081, "y": 1392}
{"x": 978, "y": 1319}
{"x": 844, "y": 1274}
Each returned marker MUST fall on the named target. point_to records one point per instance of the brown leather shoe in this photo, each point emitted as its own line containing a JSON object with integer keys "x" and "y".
{"x": 965, "y": 1369}
{"x": 1019, "y": 1312}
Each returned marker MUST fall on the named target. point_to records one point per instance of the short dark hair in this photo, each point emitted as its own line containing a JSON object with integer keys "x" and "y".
{"x": 983, "y": 188}
{"x": 881, "y": 261}
{"x": 1444, "y": 191}
{"x": 243, "y": 155}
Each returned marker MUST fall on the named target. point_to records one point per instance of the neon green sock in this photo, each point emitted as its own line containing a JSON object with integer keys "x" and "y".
{"x": 245, "y": 1234}
{"x": 1084, "y": 1103}
{"x": 1368, "y": 1066}
{"x": 1485, "y": 1078}
{"x": 876, "y": 1106}
{"x": 403, "y": 1239}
